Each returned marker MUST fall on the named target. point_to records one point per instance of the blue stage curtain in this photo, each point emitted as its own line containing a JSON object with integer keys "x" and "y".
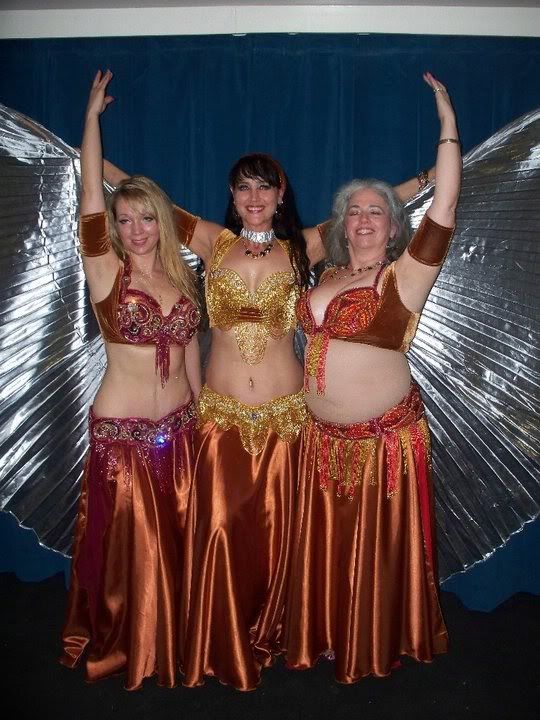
{"x": 329, "y": 107}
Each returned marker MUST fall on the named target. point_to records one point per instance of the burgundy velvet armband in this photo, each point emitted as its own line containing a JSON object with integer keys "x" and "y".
{"x": 94, "y": 234}
{"x": 430, "y": 242}
{"x": 185, "y": 225}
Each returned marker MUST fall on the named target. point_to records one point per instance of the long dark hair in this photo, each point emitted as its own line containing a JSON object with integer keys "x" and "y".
{"x": 286, "y": 221}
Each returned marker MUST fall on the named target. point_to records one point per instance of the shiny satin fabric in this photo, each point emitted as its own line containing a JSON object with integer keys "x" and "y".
{"x": 125, "y": 592}
{"x": 363, "y": 582}
{"x": 237, "y": 547}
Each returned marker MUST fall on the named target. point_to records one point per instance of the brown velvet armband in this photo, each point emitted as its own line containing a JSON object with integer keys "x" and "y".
{"x": 323, "y": 229}
{"x": 94, "y": 234}
{"x": 185, "y": 225}
{"x": 430, "y": 242}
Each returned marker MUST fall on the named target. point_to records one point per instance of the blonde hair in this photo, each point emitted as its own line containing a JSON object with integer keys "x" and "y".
{"x": 143, "y": 191}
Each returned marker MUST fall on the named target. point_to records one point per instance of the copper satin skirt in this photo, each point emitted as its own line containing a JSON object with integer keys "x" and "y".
{"x": 124, "y": 597}
{"x": 238, "y": 536}
{"x": 363, "y": 585}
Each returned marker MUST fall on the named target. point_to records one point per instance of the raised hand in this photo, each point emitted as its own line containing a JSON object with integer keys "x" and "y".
{"x": 98, "y": 99}
{"x": 448, "y": 165}
{"x": 444, "y": 104}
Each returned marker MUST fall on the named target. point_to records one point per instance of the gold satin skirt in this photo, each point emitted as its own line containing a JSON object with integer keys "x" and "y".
{"x": 124, "y": 597}
{"x": 238, "y": 536}
{"x": 363, "y": 579}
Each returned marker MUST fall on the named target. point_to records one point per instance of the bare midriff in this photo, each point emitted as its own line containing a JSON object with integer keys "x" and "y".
{"x": 362, "y": 382}
{"x": 131, "y": 387}
{"x": 278, "y": 373}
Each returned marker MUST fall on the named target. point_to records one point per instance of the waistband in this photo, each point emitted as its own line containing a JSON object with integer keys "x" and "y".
{"x": 341, "y": 452}
{"x": 143, "y": 431}
{"x": 285, "y": 415}
{"x": 409, "y": 410}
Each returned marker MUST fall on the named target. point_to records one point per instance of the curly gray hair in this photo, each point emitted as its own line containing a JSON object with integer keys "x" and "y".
{"x": 335, "y": 242}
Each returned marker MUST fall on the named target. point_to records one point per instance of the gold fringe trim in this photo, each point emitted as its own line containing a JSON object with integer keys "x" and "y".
{"x": 285, "y": 416}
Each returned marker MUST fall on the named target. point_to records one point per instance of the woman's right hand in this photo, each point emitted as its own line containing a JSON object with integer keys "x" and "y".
{"x": 98, "y": 99}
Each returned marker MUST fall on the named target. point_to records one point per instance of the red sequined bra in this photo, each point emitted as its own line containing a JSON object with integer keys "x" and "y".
{"x": 129, "y": 316}
{"x": 361, "y": 315}
{"x": 357, "y": 314}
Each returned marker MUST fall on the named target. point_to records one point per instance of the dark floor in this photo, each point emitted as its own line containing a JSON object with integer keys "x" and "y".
{"x": 492, "y": 672}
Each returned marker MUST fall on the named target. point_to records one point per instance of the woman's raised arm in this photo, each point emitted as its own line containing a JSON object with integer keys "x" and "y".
{"x": 100, "y": 262}
{"x": 92, "y": 197}
{"x": 448, "y": 165}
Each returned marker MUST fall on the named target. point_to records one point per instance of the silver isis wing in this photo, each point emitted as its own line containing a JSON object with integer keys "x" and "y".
{"x": 476, "y": 354}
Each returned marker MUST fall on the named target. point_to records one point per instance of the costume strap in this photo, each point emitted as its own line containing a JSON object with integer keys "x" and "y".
{"x": 94, "y": 234}
{"x": 185, "y": 225}
{"x": 226, "y": 239}
{"x": 430, "y": 242}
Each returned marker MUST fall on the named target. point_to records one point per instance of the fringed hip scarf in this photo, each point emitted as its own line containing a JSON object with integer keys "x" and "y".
{"x": 344, "y": 452}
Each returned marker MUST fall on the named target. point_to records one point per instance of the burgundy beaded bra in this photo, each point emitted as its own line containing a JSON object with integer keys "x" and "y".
{"x": 132, "y": 316}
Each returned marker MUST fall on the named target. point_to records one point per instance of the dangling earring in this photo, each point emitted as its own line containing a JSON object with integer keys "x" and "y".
{"x": 279, "y": 208}
{"x": 235, "y": 213}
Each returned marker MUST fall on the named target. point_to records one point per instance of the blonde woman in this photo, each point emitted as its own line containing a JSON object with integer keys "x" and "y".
{"x": 123, "y": 604}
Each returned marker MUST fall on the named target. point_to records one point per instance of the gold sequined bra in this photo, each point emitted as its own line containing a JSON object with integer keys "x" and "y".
{"x": 254, "y": 316}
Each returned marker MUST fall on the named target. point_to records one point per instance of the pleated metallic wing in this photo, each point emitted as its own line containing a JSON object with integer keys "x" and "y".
{"x": 476, "y": 353}
{"x": 51, "y": 356}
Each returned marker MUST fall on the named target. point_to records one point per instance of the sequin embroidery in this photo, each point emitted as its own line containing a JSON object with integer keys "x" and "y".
{"x": 285, "y": 416}
{"x": 345, "y": 454}
{"x": 142, "y": 431}
{"x": 141, "y": 321}
{"x": 359, "y": 315}
{"x": 348, "y": 313}
{"x": 254, "y": 316}
{"x": 151, "y": 440}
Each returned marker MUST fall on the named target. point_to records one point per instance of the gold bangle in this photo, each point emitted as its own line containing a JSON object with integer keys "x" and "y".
{"x": 448, "y": 140}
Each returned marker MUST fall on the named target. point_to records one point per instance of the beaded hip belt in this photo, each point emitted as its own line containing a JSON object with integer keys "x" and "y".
{"x": 143, "y": 431}
{"x": 284, "y": 415}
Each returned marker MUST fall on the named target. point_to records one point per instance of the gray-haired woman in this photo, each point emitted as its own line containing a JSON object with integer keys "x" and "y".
{"x": 363, "y": 581}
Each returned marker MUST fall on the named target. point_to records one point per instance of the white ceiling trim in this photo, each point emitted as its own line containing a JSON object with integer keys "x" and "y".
{"x": 213, "y": 20}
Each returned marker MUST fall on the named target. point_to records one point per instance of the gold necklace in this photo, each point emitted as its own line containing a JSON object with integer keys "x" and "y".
{"x": 359, "y": 270}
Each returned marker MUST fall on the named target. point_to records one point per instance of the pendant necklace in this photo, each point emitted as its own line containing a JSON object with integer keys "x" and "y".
{"x": 257, "y": 255}
{"x": 359, "y": 270}
{"x": 146, "y": 277}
